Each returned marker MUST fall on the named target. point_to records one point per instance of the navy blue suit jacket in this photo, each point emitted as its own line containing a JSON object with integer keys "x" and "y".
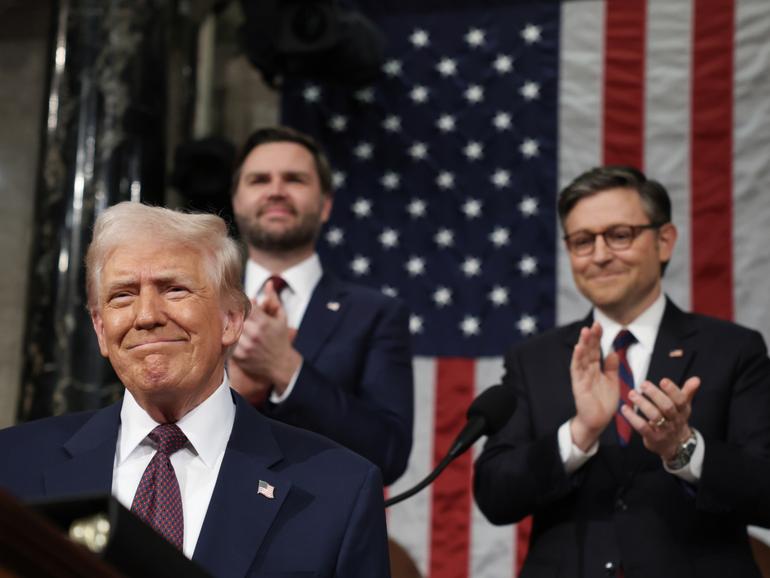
{"x": 622, "y": 506}
{"x": 326, "y": 520}
{"x": 356, "y": 382}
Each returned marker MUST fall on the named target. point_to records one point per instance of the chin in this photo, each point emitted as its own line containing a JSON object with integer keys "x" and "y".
{"x": 156, "y": 378}
{"x": 604, "y": 299}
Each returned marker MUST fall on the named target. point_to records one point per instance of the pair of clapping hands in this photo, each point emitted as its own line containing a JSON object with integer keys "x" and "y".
{"x": 664, "y": 409}
{"x": 264, "y": 359}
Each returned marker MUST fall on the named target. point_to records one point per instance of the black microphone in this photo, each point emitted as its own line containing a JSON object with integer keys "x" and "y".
{"x": 486, "y": 415}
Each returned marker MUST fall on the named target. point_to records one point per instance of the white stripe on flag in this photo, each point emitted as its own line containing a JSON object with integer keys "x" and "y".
{"x": 751, "y": 168}
{"x": 580, "y": 123}
{"x": 409, "y": 522}
{"x": 492, "y": 547}
{"x": 667, "y": 126}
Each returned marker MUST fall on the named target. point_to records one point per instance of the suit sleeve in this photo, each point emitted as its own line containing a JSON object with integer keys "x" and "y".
{"x": 520, "y": 469}
{"x": 374, "y": 415}
{"x": 736, "y": 467}
{"x": 364, "y": 550}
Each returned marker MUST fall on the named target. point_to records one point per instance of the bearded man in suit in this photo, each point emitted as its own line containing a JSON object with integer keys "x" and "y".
{"x": 316, "y": 352}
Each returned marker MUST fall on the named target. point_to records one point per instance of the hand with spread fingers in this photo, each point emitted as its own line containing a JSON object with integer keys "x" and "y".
{"x": 264, "y": 352}
{"x": 596, "y": 388}
{"x": 665, "y": 411}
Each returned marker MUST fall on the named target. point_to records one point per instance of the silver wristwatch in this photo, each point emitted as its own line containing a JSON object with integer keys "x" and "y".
{"x": 683, "y": 453}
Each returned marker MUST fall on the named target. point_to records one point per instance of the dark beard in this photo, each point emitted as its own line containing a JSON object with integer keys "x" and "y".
{"x": 303, "y": 235}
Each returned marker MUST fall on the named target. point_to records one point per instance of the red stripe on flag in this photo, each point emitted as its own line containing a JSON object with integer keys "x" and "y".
{"x": 625, "y": 24}
{"x": 451, "y": 498}
{"x": 523, "y": 533}
{"x": 711, "y": 158}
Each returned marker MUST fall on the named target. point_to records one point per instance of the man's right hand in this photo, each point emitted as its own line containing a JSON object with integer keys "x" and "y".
{"x": 254, "y": 389}
{"x": 596, "y": 390}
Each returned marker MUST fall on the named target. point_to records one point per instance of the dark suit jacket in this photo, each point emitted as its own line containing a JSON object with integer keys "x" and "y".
{"x": 326, "y": 520}
{"x": 622, "y": 505}
{"x": 355, "y": 386}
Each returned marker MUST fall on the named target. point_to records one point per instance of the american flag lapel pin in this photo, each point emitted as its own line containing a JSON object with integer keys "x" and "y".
{"x": 333, "y": 306}
{"x": 676, "y": 353}
{"x": 265, "y": 489}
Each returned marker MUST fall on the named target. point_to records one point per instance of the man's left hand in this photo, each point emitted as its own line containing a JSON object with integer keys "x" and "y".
{"x": 666, "y": 411}
{"x": 265, "y": 347}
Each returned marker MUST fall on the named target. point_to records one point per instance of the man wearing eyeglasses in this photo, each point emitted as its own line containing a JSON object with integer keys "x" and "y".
{"x": 641, "y": 438}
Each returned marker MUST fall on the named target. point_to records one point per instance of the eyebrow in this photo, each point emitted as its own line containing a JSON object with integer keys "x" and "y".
{"x": 160, "y": 279}
{"x": 292, "y": 173}
{"x": 604, "y": 230}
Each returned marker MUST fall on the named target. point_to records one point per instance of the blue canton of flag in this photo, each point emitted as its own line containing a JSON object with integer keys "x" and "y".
{"x": 445, "y": 174}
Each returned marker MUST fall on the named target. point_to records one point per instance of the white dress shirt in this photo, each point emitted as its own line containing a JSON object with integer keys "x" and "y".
{"x": 301, "y": 281}
{"x": 196, "y": 465}
{"x": 645, "y": 329}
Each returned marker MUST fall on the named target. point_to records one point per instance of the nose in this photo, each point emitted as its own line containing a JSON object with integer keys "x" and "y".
{"x": 149, "y": 310}
{"x": 277, "y": 188}
{"x": 602, "y": 253}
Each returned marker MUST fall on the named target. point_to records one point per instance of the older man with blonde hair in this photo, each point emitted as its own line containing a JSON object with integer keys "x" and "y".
{"x": 235, "y": 491}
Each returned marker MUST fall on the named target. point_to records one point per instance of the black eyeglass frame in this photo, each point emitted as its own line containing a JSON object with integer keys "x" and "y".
{"x": 636, "y": 230}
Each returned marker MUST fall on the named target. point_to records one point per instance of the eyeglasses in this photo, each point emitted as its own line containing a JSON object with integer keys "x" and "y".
{"x": 617, "y": 238}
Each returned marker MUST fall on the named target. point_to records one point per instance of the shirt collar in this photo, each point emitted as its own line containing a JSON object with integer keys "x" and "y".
{"x": 301, "y": 278}
{"x": 207, "y": 426}
{"x": 644, "y": 327}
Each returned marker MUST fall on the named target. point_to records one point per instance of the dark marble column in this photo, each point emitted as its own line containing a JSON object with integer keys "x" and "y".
{"x": 103, "y": 142}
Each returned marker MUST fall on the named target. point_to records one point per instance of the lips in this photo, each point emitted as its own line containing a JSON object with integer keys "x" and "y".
{"x": 276, "y": 209}
{"x": 604, "y": 275}
{"x": 154, "y": 343}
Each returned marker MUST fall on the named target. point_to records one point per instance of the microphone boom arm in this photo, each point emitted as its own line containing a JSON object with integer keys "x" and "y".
{"x": 486, "y": 415}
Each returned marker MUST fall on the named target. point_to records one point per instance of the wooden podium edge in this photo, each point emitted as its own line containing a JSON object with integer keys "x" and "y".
{"x": 31, "y": 546}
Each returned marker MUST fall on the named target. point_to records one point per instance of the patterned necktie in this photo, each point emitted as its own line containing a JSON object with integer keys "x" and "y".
{"x": 623, "y": 340}
{"x": 158, "y": 501}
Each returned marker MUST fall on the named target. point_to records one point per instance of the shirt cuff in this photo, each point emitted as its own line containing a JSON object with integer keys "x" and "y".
{"x": 276, "y": 398}
{"x": 572, "y": 456}
{"x": 692, "y": 471}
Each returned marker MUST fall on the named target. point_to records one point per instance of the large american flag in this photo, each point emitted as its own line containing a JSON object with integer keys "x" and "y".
{"x": 446, "y": 177}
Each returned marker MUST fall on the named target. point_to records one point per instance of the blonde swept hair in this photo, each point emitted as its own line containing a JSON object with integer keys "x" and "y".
{"x": 121, "y": 224}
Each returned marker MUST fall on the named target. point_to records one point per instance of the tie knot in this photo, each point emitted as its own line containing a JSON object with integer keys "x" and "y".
{"x": 279, "y": 284}
{"x": 169, "y": 438}
{"x": 623, "y": 340}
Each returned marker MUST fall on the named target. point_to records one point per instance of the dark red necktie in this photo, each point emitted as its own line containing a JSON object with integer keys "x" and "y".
{"x": 279, "y": 284}
{"x": 158, "y": 501}
{"x": 623, "y": 340}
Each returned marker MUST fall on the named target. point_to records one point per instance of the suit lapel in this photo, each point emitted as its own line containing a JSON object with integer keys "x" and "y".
{"x": 325, "y": 310}
{"x": 238, "y": 517}
{"x": 671, "y": 356}
{"x": 92, "y": 451}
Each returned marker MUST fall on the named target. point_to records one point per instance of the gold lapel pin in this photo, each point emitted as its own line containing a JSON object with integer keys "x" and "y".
{"x": 676, "y": 353}
{"x": 333, "y": 306}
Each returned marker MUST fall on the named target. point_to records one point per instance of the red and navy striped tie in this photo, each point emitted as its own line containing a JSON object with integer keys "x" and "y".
{"x": 623, "y": 340}
{"x": 158, "y": 501}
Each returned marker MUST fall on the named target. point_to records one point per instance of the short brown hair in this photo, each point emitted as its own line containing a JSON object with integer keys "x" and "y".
{"x": 278, "y": 134}
{"x": 655, "y": 199}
